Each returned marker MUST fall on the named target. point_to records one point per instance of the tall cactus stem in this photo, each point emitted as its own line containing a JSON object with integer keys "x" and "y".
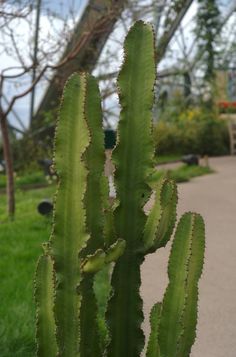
{"x": 69, "y": 234}
{"x": 133, "y": 160}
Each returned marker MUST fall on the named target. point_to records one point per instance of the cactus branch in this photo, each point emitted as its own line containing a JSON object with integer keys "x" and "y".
{"x": 44, "y": 296}
{"x": 153, "y": 347}
{"x": 94, "y": 158}
{"x": 133, "y": 159}
{"x": 69, "y": 232}
{"x": 179, "y": 312}
{"x": 161, "y": 219}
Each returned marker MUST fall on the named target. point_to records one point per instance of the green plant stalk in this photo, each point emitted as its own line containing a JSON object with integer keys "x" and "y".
{"x": 95, "y": 161}
{"x": 161, "y": 219}
{"x": 133, "y": 160}
{"x": 44, "y": 296}
{"x": 69, "y": 231}
{"x": 153, "y": 346}
{"x": 179, "y": 307}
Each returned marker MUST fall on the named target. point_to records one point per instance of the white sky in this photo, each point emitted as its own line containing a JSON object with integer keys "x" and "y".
{"x": 48, "y": 36}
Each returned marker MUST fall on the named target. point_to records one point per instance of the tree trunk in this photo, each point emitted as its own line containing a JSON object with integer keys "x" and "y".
{"x": 9, "y": 166}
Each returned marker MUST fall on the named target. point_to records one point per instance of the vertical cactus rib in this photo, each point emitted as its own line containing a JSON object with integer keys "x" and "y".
{"x": 44, "y": 296}
{"x": 89, "y": 331}
{"x": 179, "y": 308}
{"x": 69, "y": 234}
{"x": 189, "y": 317}
{"x": 95, "y": 161}
{"x": 133, "y": 160}
{"x": 153, "y": 347}
{"x": 161, "y": 219}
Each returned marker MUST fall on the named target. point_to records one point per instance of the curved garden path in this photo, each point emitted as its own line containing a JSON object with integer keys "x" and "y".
{"x": 214, "y": 196}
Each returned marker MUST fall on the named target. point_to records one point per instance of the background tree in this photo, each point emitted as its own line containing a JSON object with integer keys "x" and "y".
{"x": 95, "y": 24}
{"x": 208, "y": 24}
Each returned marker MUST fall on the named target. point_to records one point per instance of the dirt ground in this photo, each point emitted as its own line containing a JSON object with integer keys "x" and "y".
{"x": 214, "y": 196}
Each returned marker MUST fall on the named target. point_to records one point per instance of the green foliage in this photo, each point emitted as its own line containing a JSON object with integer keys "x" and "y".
{"x": 184, "y": 173}
{"x": 27, "y": 150}
{"x": 197, "y": 131}
{"x": 25, "y": 180}
{"x": 88, "y": 233}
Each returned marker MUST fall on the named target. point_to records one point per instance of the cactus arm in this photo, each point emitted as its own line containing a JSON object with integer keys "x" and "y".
{"x": 132, "y": 158}
{"x": 115, "y": 251}
{"x": 91, "y": 342}
{"x": 153, "y": 347}
{"x": 185, "y": 263}
{"x": 161, "y": 219}
{"x": 95, "y": 262}
{"x": 69, "y": 234}
{"x": 189, "y": 317}
{"x": 44, "y": 296}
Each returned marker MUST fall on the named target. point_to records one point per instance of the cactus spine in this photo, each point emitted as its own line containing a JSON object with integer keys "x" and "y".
{"x": 88, "y": 234}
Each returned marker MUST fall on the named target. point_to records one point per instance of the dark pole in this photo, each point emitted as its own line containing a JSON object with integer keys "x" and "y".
{"x": 35, "y": 62}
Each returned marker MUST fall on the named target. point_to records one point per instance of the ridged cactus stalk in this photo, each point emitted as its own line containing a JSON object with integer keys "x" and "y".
{"x": 89, "y": 232}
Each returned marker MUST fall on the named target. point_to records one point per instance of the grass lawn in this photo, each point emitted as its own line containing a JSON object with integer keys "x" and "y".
{"x": 183, "y": 173}
{"x": 19, "y": 249}
{"x": 164, "y": 159}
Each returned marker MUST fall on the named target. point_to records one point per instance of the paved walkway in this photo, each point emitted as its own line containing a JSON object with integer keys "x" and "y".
{"x": 214, "y": 196}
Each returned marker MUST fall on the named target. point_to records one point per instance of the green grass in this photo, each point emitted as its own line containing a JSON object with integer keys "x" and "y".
{"x": 182, "y": 174}
{"x": 164, "y": 159}
{"x": 20, "y": 248}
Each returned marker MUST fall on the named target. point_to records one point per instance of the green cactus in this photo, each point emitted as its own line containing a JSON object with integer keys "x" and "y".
{"x": 88, "y": 233}
{"x": 44, "y": 293}
{"x": 179, "y": 306}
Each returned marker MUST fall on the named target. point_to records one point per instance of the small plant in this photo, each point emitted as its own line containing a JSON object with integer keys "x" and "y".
{"x": 89, "y": 233}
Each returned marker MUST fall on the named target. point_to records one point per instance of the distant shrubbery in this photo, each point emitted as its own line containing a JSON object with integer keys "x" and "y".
{"x": 27, "y": 151}
{"x": 26, "y": 179}
{"x": 196, "y": 131}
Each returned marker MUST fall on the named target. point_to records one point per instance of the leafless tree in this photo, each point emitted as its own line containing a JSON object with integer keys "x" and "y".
{"x": 96, "y": 26}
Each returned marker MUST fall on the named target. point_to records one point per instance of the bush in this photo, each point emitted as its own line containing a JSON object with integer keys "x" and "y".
{"x": 166, "y": 138}
{"x": 27, "y": 151}
{"x": 195, "y": 131}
